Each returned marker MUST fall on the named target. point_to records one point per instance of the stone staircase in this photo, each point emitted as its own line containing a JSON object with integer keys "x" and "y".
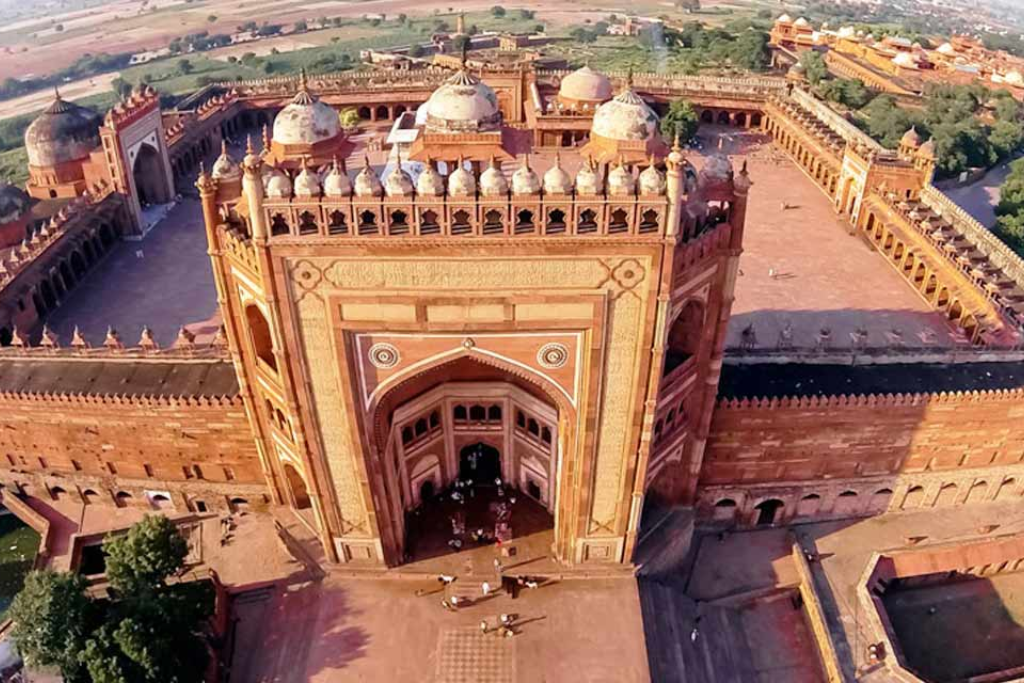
{"x": 719, "y": 654}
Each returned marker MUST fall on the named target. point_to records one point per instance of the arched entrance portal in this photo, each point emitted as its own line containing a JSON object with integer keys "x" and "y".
{"x": 300, "y": 495}
{"x": 470, "y": 456}
{"x": 149, "y": 176}
{"x": 480, "y": 463}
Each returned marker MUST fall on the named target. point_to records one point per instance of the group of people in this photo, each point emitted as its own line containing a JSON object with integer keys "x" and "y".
{"x": 511, "y": 585}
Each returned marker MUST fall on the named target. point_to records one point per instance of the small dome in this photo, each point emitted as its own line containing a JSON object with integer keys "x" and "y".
{"x": 307, "y": 184}
{"x": 621, "y": 181}
{"x": 785, "y": 19}
{"x": 586, "y": 85}
{"x": 904, "y": 59}
{"x": 306, "y": 120}
{"x": 336, "y": 183}
{"x": 556, "y": 180}
{"x": 801, "y": 22}
{"x": 64, "y": 132}
{"x": 911, "y": 138}
{"x": 626, "y": 118}
{"x": 716, "y": 169}
{"x": 278, "y": 184}
{"x": 463, "y": 104}
{"x": 652, "y": 181}
{"x": 1014, "y": 77}
{"x": 461, "y": 182}
{"x": 225, "y": 168}
{"x": 398, "y": 183}
{"x": 14, "y": 202}
{"x": 946, "y": 49}
{"x": 430, "y": 183}
{"x": 367, "y": 183}
{"x": 588, "y": 180}
{"x": 492, "y": 181}
{"x": 928, "y": 149}
{"x": 524, "y": 180}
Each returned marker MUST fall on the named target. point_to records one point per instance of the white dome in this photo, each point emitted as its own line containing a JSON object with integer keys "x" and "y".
{"x": 463, "y": 104}
{"x": 556, "y": 180}
{"x": 785, "y": 19}
{"x": 801, "y": 22}
{"x": 652, "y": 181}
{"x": 306, "y": 120}
{"x": 524, "y": 180}
{"x": 492, "y": 181}
{"x": 307, "y": 184}
{"x": 586, "y": 85}
{"x": 627, "y": 117}
{"x": 588, "y": 180}
{"x": 225, "y": 168}
{"x": 904, "y": 59}
{"x": 621, "y": 181}
{"x": 946, "y": 49}
{"x": 398, "y": 183}
{"x": 367, "y": 183}
{"x": 1014, "y": 77}
{"x": 336, "y": 183}
{"x": 278, "y": 184}
{"x": 430, "y": 183}
{"x": 461, "y": 182}
{"x": 911, "y": 138}
{"x": 847, "y": 32}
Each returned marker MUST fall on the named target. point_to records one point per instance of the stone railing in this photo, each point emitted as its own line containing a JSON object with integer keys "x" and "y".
{"x": 816, "y": 618}
{"x": 997, "y": 252}
{"x": 759, "y": 86}
{"x": 837, "y": 123}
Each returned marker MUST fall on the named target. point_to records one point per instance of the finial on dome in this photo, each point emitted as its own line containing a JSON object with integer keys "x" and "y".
{"x": 266, "y": 138}
{"x": 676, "y": 147}
{"x": 78, "y": 340}
{"x": 303, "y": 82}
{"x": 56, "y": 92}
{"x": 249, "y": 151}
{"x": 224, "y": 147}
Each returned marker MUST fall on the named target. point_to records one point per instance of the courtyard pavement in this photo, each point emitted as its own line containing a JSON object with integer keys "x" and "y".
{"x": 163, "y": 281}
{"x": 801, "y": 266}
{"x": 981, "y": 197}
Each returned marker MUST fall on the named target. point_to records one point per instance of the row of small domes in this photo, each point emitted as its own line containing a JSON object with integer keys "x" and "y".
{"x": 462, "y": 183}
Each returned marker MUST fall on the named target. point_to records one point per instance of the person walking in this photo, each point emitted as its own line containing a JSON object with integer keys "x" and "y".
{"x": 486, "y": 588}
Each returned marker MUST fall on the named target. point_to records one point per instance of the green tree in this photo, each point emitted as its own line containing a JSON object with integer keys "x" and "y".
{"x": 750, "y": 51}
{"x": 582, "y": 34}
{"x": 301, "y": 26}
{"x": 185, "y": 67}
{"x": 121, "y": 87}
{"x": 814, "y": 67}
{"x": 887, "y": 122}
{"x": 688, "y": 5}
{"x": 498, "y": 11}
{"x": 526, "y": 14}
{"x": 681, "y": 120}
{"x": 349, "y": 118}
{"x": 151, "y": 551}
{"x": 212, "y": 18}
{"x": 51, "y": 621}
{"x": 1006, "y": 138}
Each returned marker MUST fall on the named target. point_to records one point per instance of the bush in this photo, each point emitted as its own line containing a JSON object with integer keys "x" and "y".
{"x": 498, "y": 11}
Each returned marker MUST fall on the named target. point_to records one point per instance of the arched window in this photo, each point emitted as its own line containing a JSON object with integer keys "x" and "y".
{"x": 684, "y": 336}
{"x": 460, "y": 414}
{"x": 435, "y": 419}
{"x": 726, "y": 503}
{"x": 494, "y": 414}
{"x": 671, "y": 416}
{"x": 259, "y": 333}
{"x": 421, "y": 427}
{"x": 367, "y": 223}
{"x": 477, "y": 414}
{"x": 429, "y": 224}
{"x": 619, "y": 222}
{"x": 493, "y": 224}
{"x": 460, "y": 223}
{"x": 545, "y": 434}
{"x": 524, "y": 222}
{"x": 588, "y": 222}
{"x": 399, "y": 223}
{"x": 649, "y": 221}
{"x": 279, "y": 225}
{"x": 556, "y": 222}
{"x": 307, "y": 224}
{"x": 338, "y": 225}
{"x": 407, "y": 436}
{"x": 520, "y": 419}
{"x": 533, "y": 427}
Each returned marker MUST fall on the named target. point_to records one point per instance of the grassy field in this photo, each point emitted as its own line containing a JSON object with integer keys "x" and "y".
{"x": 18, "y": 546}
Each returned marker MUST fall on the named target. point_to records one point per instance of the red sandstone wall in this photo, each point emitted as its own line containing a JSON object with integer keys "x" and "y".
{"x": 88, "y": 436}
{"x": 803, "y": 439}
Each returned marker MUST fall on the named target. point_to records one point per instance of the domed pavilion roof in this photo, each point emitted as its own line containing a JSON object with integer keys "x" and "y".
{"x": 626, "y": 117}
{"x": 306, "y": 120}
{"x": 463, "y": 104}
{"x": 64, "y": 132}
{"x": 586, "y": 85}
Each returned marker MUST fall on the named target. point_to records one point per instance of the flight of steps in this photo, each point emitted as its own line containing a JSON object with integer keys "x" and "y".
{"x": 719, "y": 654}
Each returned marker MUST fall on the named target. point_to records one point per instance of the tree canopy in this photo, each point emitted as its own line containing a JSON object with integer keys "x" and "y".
{"x": 1010, "y": 211}
{"x": 681, "y": 119}
{"x": 148, "y": 632}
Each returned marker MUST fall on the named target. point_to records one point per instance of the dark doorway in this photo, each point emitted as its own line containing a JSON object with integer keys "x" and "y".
{"x": 427, "y": 491}
{"x": 480, "y": 462}
{"x": 532, "y": 489}
{"x": 767, "y": 512}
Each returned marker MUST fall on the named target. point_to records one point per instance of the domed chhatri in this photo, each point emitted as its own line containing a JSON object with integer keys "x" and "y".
{"x": 463, "y": 104}
{"x": 336, "y": 182}
{"x": 461, "y": 182}
{"x": 398, "y": 183}
{"x": 278, "y": 185}
{"x": 306, "y": 120}
{"x": 624, "y": 127}
{"x": 911, "y": 138}
{"x": 63, "y": 133}
{"x": 588, "y": 180}
{"x": 556, "y": 180}
{"x": 492, "y": 181}
{"x": 367, "y": 183}
{"x": 430, "y": 183}
{"x": 307, "y": 184}
{"x": 225, "y": 168}
{"x": 621, "y": 181}
{"x": 652, "y": 181}
{"x": 524, "y": 180}
{"x": 584, "y": 86}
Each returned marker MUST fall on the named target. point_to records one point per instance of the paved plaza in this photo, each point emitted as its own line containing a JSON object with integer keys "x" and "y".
{"x": 802, "y": 267}
{"x": 163, "y": 281}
